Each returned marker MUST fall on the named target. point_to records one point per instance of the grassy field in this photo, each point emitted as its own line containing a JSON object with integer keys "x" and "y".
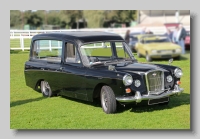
{"x": 29, "y": 110}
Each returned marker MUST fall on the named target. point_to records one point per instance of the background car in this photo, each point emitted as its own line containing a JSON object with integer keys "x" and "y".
{"x": 157, "y": 46}
{"x": 133, "y": 40}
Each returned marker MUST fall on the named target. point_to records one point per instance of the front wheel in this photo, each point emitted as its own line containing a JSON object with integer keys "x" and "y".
{"x": 46, "y": 89}
{"x": 148, "y": 58}
{"x": 138, "y": 54}
{"x": 108, "y": 101}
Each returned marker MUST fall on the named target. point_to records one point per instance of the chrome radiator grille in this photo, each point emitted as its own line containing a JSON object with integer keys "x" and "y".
{"x": 155, "y": 82}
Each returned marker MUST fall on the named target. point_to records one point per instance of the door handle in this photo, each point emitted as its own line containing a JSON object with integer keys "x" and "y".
{"x": 61, "y": 68}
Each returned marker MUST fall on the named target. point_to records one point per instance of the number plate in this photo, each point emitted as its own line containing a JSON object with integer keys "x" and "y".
{"x": 157, "y": 101}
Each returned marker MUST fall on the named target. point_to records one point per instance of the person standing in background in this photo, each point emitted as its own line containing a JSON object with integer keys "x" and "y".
{"x": 174, "y": 38}
{"x": 143, "y": 30}
{"x": 169, "y": 33}
{"x": 127, "y": 36}
{"x": 180, "y": 36}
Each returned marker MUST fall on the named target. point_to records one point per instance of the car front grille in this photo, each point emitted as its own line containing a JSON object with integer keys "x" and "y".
{"x": 155, "y": 82}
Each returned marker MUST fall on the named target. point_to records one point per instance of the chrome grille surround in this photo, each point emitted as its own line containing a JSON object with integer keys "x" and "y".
{"x": 155, "y": 82}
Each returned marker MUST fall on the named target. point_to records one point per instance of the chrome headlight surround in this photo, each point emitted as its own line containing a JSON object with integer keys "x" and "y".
{"x": 169, "y": 78}
{"x": 127, "y": 79}
{"x": 178, "y": 50}
{"x": 137, "y": 83}
{"x": 153, "y": 51}
{"x": 178, "y": 72}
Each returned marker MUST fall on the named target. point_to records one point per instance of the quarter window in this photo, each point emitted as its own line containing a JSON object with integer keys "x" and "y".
{"x": 47, "y": 50}
{"x": 71, "y": 54}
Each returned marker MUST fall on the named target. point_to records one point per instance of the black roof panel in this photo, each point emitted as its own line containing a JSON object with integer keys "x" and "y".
{"x": 82, "y": 36}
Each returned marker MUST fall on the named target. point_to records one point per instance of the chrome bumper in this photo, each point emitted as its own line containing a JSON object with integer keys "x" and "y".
{"x": 138, "y": 98}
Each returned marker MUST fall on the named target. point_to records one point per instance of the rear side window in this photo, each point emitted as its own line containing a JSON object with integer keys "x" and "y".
{"x": 71, "y": 54}
{"x": 47, "y": 50}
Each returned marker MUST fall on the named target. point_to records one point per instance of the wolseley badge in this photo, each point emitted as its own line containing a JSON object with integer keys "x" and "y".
{"x": 154, "y": 74}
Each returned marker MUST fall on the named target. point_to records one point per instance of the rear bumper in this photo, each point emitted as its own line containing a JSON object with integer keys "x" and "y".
{"x": 138, "y": 97}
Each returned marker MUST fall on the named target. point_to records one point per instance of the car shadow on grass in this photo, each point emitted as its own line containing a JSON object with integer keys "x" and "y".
{"x": 21, "y": 102}
{"x": 183, "y": 99}
{"x": 95, "y": 103}
{"x": 18, "y": 51}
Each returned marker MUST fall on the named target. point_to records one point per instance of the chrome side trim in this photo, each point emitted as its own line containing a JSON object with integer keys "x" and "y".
{"x": 138, "y": 97}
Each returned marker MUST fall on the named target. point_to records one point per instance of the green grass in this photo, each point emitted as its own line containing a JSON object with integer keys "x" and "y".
{"x": 29, "y": 110}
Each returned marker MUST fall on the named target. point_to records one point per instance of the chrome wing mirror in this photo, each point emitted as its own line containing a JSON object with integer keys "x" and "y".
{"x": 170, "y": 61}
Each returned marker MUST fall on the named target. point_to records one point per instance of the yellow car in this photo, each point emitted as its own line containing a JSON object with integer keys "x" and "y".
{"x": 157, "y": 46}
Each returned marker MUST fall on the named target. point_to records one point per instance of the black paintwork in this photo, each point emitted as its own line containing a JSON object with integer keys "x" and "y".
{"x": 84, "y": 82}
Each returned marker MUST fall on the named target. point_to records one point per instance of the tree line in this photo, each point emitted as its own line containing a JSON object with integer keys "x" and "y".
{"x": 66, "y": 19}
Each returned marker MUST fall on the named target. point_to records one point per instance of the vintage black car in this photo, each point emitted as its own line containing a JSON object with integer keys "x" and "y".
{"x": 97, "y": 65}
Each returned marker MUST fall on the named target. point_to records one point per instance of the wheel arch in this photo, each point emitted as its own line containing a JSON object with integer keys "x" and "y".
{"x": 38, "y": 84}
{"x": 97, "y": 90}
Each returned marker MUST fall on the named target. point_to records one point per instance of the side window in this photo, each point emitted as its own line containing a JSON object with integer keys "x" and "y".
{"x": 47, "y": 50}
{"x": 71, "y": 54}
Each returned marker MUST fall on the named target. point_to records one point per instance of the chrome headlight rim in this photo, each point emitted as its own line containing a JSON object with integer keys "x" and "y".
{"x": 137, "y": 83}
{"x": 178, "y": 72}
{"x": 178, "y": 50}
{"x": 126, "y": 76}
{"x": 169, "y": 78}
{"x": 153, "y": 51}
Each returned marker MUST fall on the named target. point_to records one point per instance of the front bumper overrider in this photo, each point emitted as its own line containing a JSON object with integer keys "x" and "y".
{"x": 138, "y": 97}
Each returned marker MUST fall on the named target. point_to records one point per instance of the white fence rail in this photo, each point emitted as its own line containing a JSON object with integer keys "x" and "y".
{"x": 20, "y": 39}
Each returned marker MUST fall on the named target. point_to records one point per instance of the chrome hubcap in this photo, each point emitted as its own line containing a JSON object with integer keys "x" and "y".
{"x": 45, "y": 88}
{"x": 104, "y": 101}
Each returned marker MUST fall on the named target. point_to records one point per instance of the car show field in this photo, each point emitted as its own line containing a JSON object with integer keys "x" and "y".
{"x": 29, "y": 110}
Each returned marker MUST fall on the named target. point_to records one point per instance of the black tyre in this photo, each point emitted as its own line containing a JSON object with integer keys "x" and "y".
{"x": 138, "y": 54}
{"x": 46, "y": 89}
{"x": 178, "y": 58}
{"x": 148, "y": 58}
{"x": 108, "y": 101}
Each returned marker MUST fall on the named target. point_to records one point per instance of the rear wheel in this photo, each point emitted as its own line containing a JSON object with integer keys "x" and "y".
{"x": 46, "y": 89}
{"x": 108, "y": 101}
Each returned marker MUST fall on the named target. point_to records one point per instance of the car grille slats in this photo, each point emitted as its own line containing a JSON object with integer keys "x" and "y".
{"x": 155, "y": 82}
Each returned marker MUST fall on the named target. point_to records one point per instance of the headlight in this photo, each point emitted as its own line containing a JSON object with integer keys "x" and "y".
{"x": 153, "y": 51}
{"x": 137, "y": 83}
{"x": 178, "y": 72}
{"x": 127, "y": 79}
{"x": 178, "y": 50}
{"x": 169, "y": 78}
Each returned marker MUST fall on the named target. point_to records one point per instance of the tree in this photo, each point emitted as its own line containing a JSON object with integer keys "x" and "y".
{"x": 121, "y": 15}
{"x": 33, "y": 18}
{"x": 71, "y": 16}
{"x": 94, "y": 18}
{"x": 16, "y": 19}
{"x": 53, "y": 18}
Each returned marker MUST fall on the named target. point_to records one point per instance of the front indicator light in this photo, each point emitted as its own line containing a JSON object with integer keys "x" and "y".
{"x": 128, "y": 90}
{"x": 178, "y": 82}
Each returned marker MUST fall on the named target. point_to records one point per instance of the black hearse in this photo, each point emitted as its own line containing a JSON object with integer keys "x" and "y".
{"x": 97, "y": 65}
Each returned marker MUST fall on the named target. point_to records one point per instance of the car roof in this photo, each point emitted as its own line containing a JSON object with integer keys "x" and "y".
{"x": 80, "y": 36}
